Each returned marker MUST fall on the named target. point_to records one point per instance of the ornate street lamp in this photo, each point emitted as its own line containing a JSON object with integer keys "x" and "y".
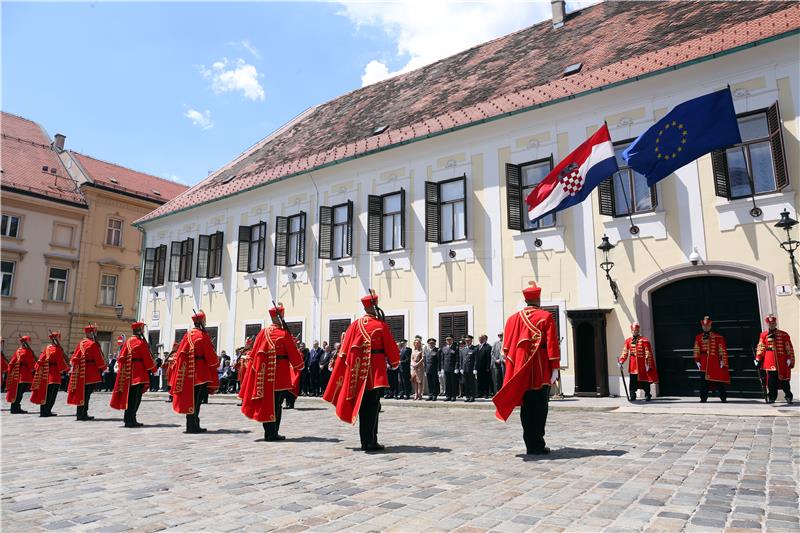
{"x": 606, "y": 265}
{"x": 790, "y": 245}
{"x": 119, "y": 309}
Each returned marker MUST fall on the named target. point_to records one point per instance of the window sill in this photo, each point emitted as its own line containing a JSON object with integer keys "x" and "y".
{"x": 401, "y": 258}
{"x": 12, "y": 239}
{"x": 347, "y": 265}
{"x": 157, "y": 293}
{"x": 212, "y": 285}
{"x": 652, "y": 224}
{"x": 733, "y": 213}
{"x": 59, "y": 302}
{"x": 8, "y": 297}
{"x": 113, "y": 246}
{"x": 551, "y": 238}
{"x": 183, "y": 289}
{"x": 464, "y": 251}
{"x": 294, "y": 274}
{"x": 63, "y": 246}
{"x": 255, "y": 280}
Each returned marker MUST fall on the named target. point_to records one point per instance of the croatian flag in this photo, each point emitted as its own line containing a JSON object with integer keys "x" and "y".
{"x": 575, "y": 177}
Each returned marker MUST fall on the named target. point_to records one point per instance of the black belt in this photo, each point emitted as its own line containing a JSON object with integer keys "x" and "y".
{"x": 377, "y": 351}
{"x": 137, "y": 359}
{"x": 201, "y": 358}
{"x": 281, "y": 357}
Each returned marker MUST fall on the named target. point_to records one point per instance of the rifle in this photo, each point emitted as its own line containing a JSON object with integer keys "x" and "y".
{"x": 760, "y": 380}
{"x": 56, "y": 342}
{"x": 280, "y": 317}
{"x": 378, "y": 311}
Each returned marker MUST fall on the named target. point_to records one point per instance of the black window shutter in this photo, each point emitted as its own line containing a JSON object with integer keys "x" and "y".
{"x": 653, "y": 197}
{"x": 243, "y": 259}
{"x": 445, "y": 326}
{"x": 175, "y": 261}
{"x": 776, "y": 140}
{"x": 514, "y": 196}
{"x": 432, "y": 214}
{"x": 349, "y": 236}
{"x": 262, "y": 244}
{"x": 325, "y": 232}
{"x": 189, "y": 248}
{"x": 161, "y": 262}
{"x": 281, "y": 240}
{"x": 219, "y": 237}
{"x": 374, "y": 222}
{"x": 202, "y": 256}
{"x": 459, "y": 325}
{"x": 397, "y": 325}
{"x": 719, "y": 167}
{"x": 466, "y": 210}
{"x": 149, "y": 267}
{"x": 301, "y": 253}
{"x": 553, "y": 310}
{"x": 606, "y": 193}
{"x": 402, "y": 218}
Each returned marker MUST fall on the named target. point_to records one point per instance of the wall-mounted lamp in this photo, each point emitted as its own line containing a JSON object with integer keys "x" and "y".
{"x": 537, "y": 243}
{"x": 155, "y": 294}
{"x": 606, "y": 265}
{"x": 340, "y": 268}
{"x": 790, "y": 245}
{"x": 211, "y": 286}
{"x": 452, "y": 254}
{"x": 391, "y": 262}
{"x": 182, "y": 290}
{"x": 294, "y": 275}
{"x": 254, "y": 281}
{"x": 119, "y": 309}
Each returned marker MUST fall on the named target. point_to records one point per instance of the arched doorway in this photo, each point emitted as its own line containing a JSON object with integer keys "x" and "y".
{"x": 677, "y": 308}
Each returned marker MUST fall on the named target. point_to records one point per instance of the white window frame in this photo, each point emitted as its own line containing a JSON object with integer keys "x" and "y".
{"x": 8, "y": 218}
{"x": 110, "y": 231}
{"x": 10, "y": 275}
{"x": 104, "y": 288}
{"x": 52, "y": 292}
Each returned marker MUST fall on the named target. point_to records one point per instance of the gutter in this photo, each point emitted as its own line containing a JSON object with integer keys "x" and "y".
{"x": 139, "y": 316}
{"x": 693, "y": 62}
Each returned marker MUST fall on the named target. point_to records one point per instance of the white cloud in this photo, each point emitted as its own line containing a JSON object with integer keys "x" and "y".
{"x": 425, "y": 30}
{"x": 239, "y": 76}
{"x": 175, "y": 178}
{"x": 247, "y": 45}
{"x": 201, "y": 119}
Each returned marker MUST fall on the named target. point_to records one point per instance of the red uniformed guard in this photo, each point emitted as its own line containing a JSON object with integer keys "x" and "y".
{"x": 642, "y": 365}
{"x": 775, "y": 355}
{"x": 87, "y": 369}
{"x": 134, "y": 364}
{"x": 275, "y": 371}
{"x": 533, "y": 358}
{"x": 194, "y": 373}
{"x": 360, "y": 372}
{"x": 47, "y": 379}
{"x": 711, "y": 356}
{"x": 20, "y": 374}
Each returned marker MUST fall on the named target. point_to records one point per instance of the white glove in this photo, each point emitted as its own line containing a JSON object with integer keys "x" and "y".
{"x": 722, "y": 364}
{"x": 458, "y": 371}
{"x": 553, "y": 376}
{"x": 646, "y": 367}
{"x": 788, "y": 362}
{"x": 619, "y": 364}
{"x": 475, "y": 372}
{"x": 698, "y": 365}
{"x": 755, "y": 362}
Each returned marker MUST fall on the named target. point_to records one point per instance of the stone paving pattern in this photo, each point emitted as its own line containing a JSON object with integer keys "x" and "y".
{"x": 444, "y": 469}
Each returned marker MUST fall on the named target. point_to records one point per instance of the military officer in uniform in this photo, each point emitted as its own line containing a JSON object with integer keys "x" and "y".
{"x": 451, "y": 365}
{"x": 711, "y": 357}
{"x": 20, "y": 374}
{"x": 642, "y": 365}
{"x": 433, "y": 364}
{"x": 469, "y": 367}
{"x": 775, "y": 355}
{"x": 532, "y": 353}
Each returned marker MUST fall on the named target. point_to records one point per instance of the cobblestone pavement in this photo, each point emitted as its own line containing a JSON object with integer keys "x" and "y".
{"x": 444, "y": 469}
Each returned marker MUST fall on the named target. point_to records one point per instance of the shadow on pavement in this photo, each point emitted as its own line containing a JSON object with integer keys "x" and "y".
{"x": 571, "y": 453}
{"x": 308, "y": 409}
{"x": 409, "y": 449}
{"x": 312, "y": 439}
{"x": 226, "y": 431}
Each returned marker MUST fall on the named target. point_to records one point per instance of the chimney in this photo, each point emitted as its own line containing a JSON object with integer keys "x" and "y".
{"x": 59, "y": 142}
{"x": 558, "y": 12}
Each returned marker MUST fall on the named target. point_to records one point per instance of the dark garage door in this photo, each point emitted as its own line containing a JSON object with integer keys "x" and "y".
{"x": 677, "y": 311}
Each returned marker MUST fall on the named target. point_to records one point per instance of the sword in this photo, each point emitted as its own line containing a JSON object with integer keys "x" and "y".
{"x": 622, "y": 374}
{"x": 760, "y": 380}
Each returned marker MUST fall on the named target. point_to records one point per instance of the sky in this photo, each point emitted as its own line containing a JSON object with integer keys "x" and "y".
{"x": 179, "y": 89}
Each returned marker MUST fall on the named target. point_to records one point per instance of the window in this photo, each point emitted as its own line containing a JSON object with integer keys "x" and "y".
{"x": 209, "y": 255}
{"x": 10, "y": 226}
{"x": 252, "y": 244}
{"x": 290, "y": 240}
{"x": 57, "y": 284}
{"x": 155, "y": 261}
{"x": 453, "y": 325}
{"x": 626, "y": 192}
{"x": 114, "y": 232}
{"x": 553, "y": 310}
{"x": 520, "y": 181}
{"x": 251, "y": 330}
{"x": 63, "y": 235}
{"x": 296, "y": 329}
{"x": 108, "y": 289}
{"x": 336, "y": 231}
{"x": 213, "y": 332}
{"x": 179, "y": 333}
{"x": 386, "y": 222}
{"x": 7, "y": 272}
{"x": 760, "y": 156}
{"x": 336, "y": 328}
{"x": 397, "y": 325}
{"x": 154, "y": 341}
{"x": 104, "y": 340}
{"x": 446, "y": 210}
{"x": 180, "y": 262}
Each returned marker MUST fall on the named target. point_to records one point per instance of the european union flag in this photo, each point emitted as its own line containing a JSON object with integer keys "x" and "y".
{"x": 692, "y": 129}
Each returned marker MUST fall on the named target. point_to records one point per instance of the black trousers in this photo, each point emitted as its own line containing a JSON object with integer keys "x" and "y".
{"x": 324, "y": 376}
{"x": 533, "y": 415}
{"x": 82, "y": 412}
{"x": 22, "y": 388}
{"x": 635, "y": 384}
{"x": 393, "y": 383}
{"x": 470, "y": 383}
{"x": 485, "y": 382}
{"x": 368, "y": 417}
{"x": 773, "y": 384}
{"x": 705, "y": 385}
{"x": 134, "y": 401}
{"x": 193, "y": 420}
{"x": 271, "y": 428}
{"x": 404, "y": 374}
{"x": 50, "y": 399}
{"x": 313, "y": 379}
{"x": 500, "y": 372}
{"x": 433, "y": 383}
{"x": 450, "y": 385}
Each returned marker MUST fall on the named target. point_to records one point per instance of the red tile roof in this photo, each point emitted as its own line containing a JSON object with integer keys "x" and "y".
{"x": 128, "y": 181}
{"x": 26, "y": 153}
{"x": 615, "y": 41}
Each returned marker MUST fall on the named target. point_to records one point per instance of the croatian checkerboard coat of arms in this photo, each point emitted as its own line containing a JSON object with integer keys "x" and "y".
{"x": 571, "y": 179}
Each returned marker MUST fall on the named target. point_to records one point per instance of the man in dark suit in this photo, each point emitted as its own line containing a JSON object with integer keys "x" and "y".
{"x": 315, "y": 356}
{"x": 431, "y": 357}
{"x": 327, "y": 356}
{"x": 393, "y": 375}
{"x": 404, "y": 372}
{"x": 484, "y": 367}
{"x": 451, "y": 363}
{"x": 305, "y": 375}
{"x": 469, "y": 356}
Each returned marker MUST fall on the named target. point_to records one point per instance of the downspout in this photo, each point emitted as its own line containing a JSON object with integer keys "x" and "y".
{"x": 317, "y": 301}
{"x": 141, "y": 274}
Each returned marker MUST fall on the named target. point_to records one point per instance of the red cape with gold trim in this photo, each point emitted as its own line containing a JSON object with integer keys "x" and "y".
{"x": 186, "y": 373}
{"x": 52, "y": 362}
{"x": 87, "y": 352}
{"x": 134, "y": 347}
{"x": 716, "y": 350}
{"x": 783, "y": 350}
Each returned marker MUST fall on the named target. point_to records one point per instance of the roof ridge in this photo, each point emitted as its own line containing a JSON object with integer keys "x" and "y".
{"x": 126, "y": 168}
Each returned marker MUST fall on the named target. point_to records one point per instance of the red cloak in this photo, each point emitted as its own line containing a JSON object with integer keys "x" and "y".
{"x": 52, "y": 362}
{"x": 531, "y": 347}
{"x": 709, "y": 352}
{"x": 242, "y": 365}
{"x": 87, "y": 364}
{"x": 361, "y": 365}
{"x": 133, "y": 364}
{"x": 774, "y": 351}
{"x": 196, "y": 363}
{"x": 276, "y": 366}
{"x": 641, "y": 358}
{"x": 20, "y": 370}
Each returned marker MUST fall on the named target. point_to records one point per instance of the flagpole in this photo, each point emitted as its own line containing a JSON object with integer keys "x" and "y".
{"x": 755, "y": 211}
{"x": 634, "y": 229}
